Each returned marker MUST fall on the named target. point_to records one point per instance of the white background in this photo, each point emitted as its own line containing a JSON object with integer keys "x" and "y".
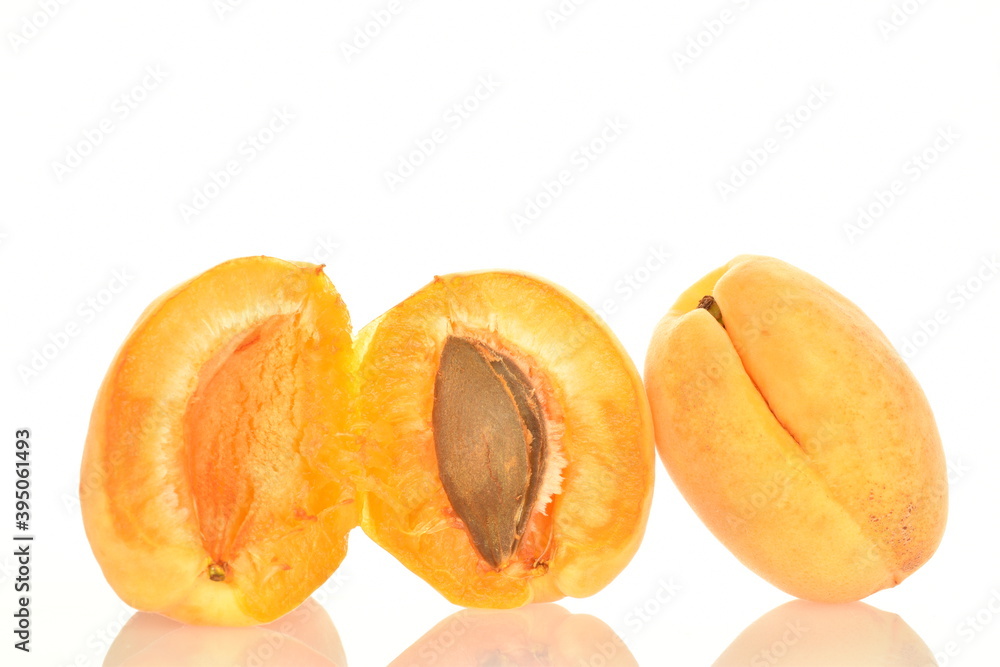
{"x": 319, "y": 192}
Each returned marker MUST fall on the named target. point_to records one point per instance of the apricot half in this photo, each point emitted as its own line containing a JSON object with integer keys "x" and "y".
{"x": 796, "y": 432}
{"x": 506, "y": 441}
{"x": 216, "y": 480}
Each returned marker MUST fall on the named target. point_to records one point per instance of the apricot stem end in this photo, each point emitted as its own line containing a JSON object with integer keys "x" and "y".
{"x": 216, "y": 572}
{"x": 711, "y": 305}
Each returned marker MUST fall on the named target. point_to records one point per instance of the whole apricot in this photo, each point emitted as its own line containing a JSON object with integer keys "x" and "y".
{"x": 796, "y": 432}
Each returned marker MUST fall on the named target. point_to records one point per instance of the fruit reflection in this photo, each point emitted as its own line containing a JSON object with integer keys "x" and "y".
{"x": 304, "y": 637}
{"x": 533, "y": 636}
{"x": 811, "y": 634}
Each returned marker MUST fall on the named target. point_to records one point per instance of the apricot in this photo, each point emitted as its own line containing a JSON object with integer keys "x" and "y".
{"x": 796, "y": 432}
{"x": 505, "y": 440}
{"x": 216, "y": 480}
{"x": 543, "y": 634}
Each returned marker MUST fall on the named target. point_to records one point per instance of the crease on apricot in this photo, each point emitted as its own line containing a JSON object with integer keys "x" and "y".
{"x": 739, "y": 288}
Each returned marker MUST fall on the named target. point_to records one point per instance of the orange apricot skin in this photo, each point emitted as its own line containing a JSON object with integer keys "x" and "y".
{"x": 141, "y": 485}
{"x": 797, "y": 433}
{"x": 597, "y": 404}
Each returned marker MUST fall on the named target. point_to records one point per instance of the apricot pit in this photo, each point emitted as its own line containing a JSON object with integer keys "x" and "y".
{"x": 490, "y": 444}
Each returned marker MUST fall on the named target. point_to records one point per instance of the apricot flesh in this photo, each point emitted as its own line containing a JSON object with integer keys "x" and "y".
{"x": 216, "y": 480}
{"x": 505, "y": 440}
{"x": 796, "y": 432}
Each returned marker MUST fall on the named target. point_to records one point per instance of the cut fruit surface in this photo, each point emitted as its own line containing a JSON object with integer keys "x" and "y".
{"x": 216, "y": 481}
{"x": 506, "y": 441}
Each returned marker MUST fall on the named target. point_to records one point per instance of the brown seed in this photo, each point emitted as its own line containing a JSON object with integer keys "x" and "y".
{"x": 490, "y": 441}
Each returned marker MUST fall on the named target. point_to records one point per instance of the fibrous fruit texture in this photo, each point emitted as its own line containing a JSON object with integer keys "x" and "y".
{"x": 505, "y": 440}
{"x": 490, "y": 432}
{"x": 216, "y": 482}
